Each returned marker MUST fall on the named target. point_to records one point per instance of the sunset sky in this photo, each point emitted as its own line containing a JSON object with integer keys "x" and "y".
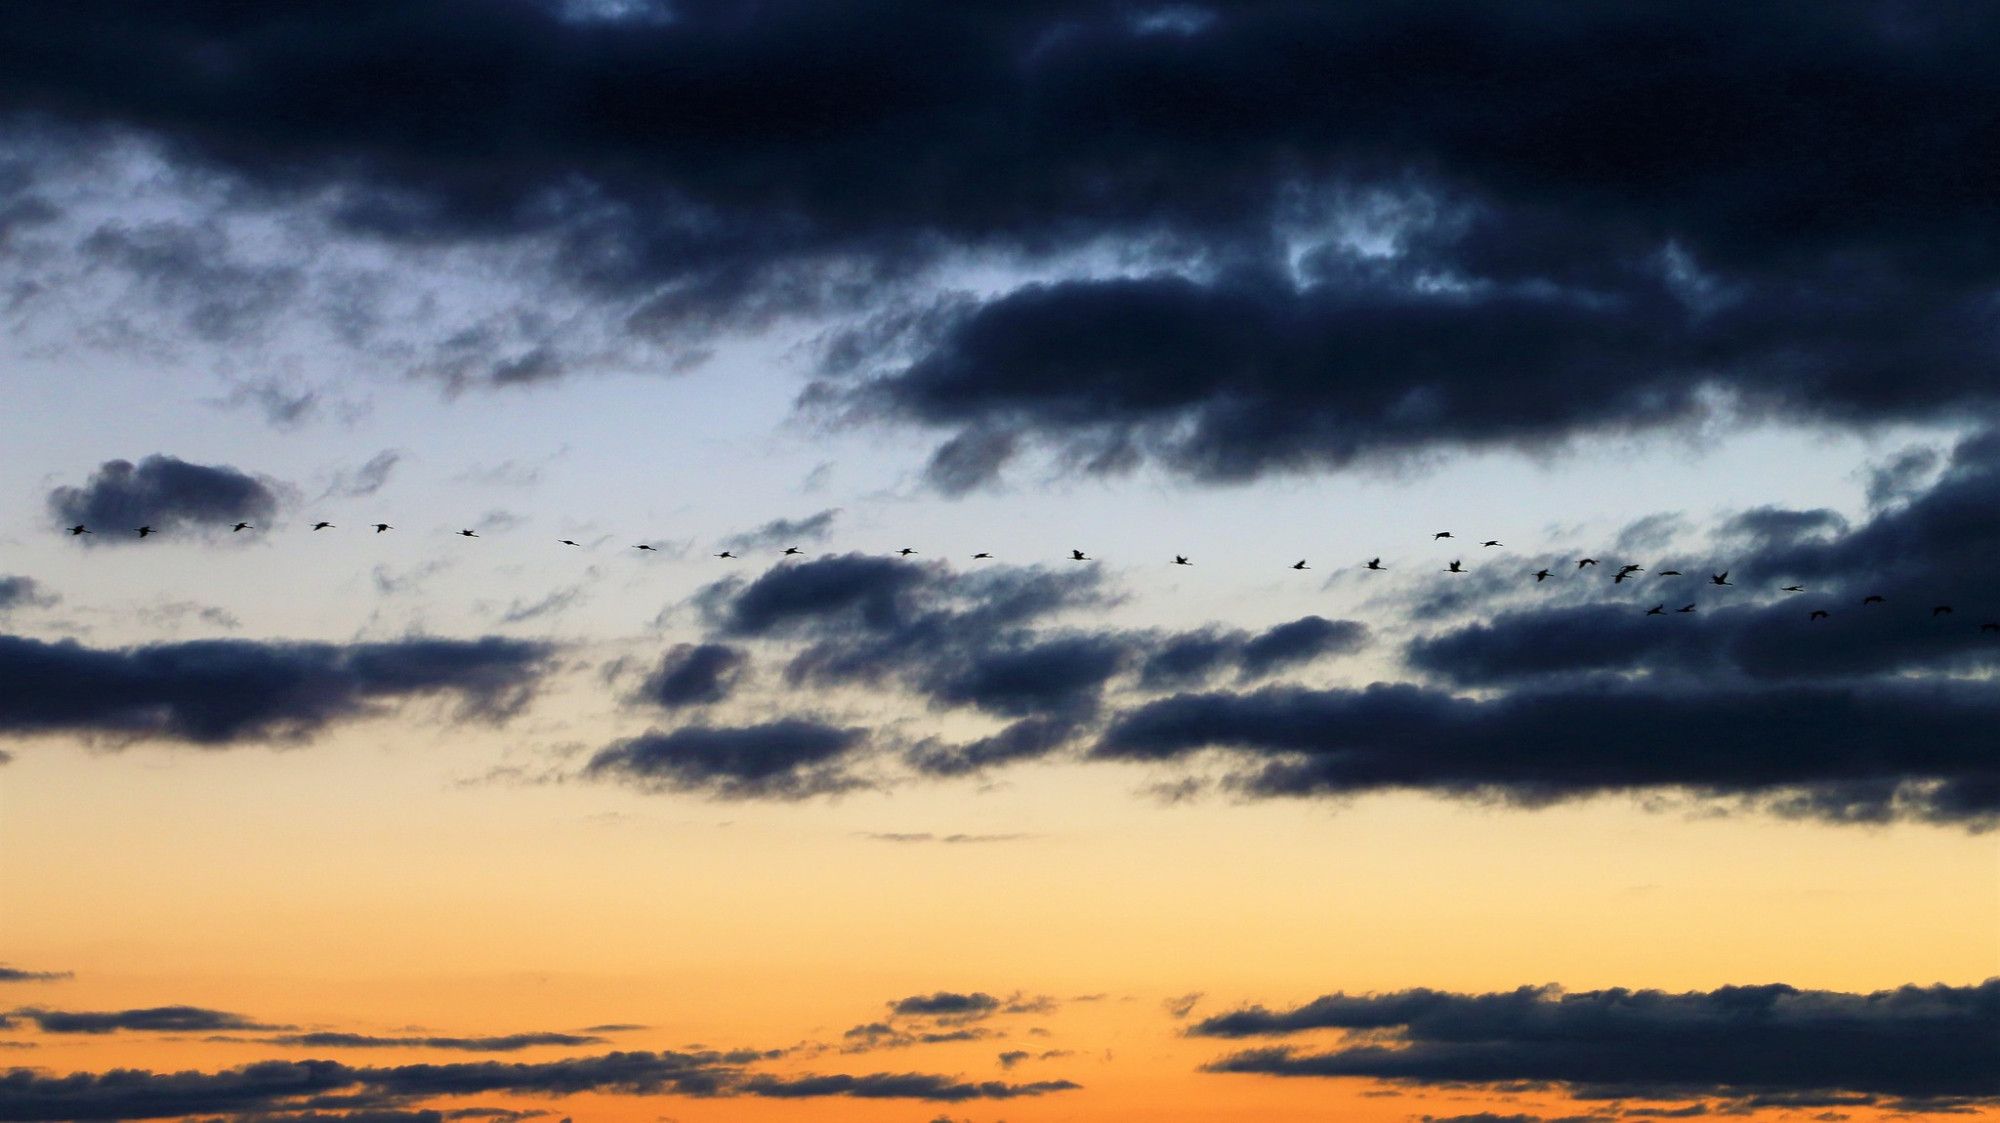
{"x": 976, "y": 805}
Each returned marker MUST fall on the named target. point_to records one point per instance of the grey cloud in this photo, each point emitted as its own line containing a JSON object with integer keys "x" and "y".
{"x": 163, "y": 492}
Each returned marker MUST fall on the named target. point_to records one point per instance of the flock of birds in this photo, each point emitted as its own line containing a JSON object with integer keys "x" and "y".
{"x": 1626, "y": 572}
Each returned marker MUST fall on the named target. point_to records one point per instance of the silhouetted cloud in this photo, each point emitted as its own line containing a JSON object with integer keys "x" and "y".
{"x": 786, "y": 759}
{"x": 500, "y": 1043}
{"x": 1911, "y": 1043}
{"x": 165, "y": 493}
{"x": 947, "y": 1004}
{"x": 157, "y": 1019}
{"x": 780, "y": 533}
{"x": 694, "y": 675}
{"x": 215, "y": 692}
{"x": 366, "y": 480}
{"x": 273, "y": 1086}
{"x": 19, "y": 975}
{"x": 23, "y": 592}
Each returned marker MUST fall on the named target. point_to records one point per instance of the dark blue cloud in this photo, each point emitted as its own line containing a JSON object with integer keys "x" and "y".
{"x": 785, "y": 759}
{"x": 694, "y": 675}
{"x": 216, "y": 692}
{"x": 156, "y": 1019}
{"x": 165, "y": 493}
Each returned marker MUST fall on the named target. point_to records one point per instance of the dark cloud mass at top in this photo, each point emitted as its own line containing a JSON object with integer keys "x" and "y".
{"x": 1347, "y": 231}
{"x": 1928, "y": 1047}
{"x": 164, "y": 492}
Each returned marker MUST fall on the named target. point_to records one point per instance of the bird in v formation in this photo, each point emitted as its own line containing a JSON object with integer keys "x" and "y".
{"x": 1627, "y": 571}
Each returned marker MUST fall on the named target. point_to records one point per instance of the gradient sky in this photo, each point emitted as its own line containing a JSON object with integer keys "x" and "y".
{"x": 302, "y": 826}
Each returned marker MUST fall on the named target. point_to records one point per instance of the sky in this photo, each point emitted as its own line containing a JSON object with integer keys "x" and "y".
{"x": 1017, "y": 561}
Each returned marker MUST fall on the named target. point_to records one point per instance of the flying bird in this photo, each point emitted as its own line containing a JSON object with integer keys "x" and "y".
{"x": 790, "y": 550}
{"x": 1719, "y": 578}
{"x": 466, "y": 534}
{"x": 1685, "y": 608}
{"x": 1373, "y": 563}
{"x": 1625, "y": 573}
{"x": 1492, "y": 542}
{"x": 1453, "y": 568}
{"x": 640, "y": 546}
{"x": 904, "y": 552}
{"x": 1819, "y": 614}
{"x": 321, "y": 526}
{"x": 1793, "y": 589}
{"x": 1940, "y": 610}
{"x": 1657, "y": 610}
{"x": 78, "y": 529}
{"x": 1873, "y": 598}
{"x": 1300, "y": 564}
{"x": 380, "y": 527}
{"x": 726, "y": 554}
{"x": 568, "y": 542}
{"x": 1668, "y": 573}
{"x": 1990, "y": 626}
{"x": 1181, "y": 559}
{"x": 1441, "y": 534}
{"x": 144, "y": 531}
{"x": 241, "y": 527}
{"x": 1581, "y": 562}
{"x": 981, "y": 554}
{"x": 1078, "y": 555}
{"x": 1542, "y": 575}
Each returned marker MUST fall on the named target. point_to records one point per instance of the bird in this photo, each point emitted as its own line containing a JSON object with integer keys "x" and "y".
{"x": 467, "y": 534}
{"x": 380, "y": 527}
{"x": 321, "y": 525}
{"x": 1453, "y": 568}
{"x": 1990, "y": 626}
{"x": 241, "y": 527}
{"x": 1668, "y": 573}
{"x": 1631, "y": 567}
{"x": 1585, "y": 561}
{"x": 144, "y": 531}
{"x": 726, "y": 554}
{"x": 568, "y": 542}
{"x": 1719, "y": 578}
{"x": 790, "y": 550}
{"x": 981, "y": 554}
{"x": 1441, "y": 534}
{"x": 648, "y": 549}
{"x": 1626, "y": 572}
{"x": 1078, "y": 555}
{"x": 904, "y": 552}
{"x": 1300, "y": 564}
{"x": 1181, "y": 559}
{"x": 1492, "y": 542}
{"x": 1793, "y": 589}
{"x": 1940, "y": 610}
{"x": 1873, "y": 598}
{"x": 78, "y": 529}
{"x": 1373, "y": 563}
{"x": 1819, "y": 614}
{"x": 1657, "y": 610}
{"x": 1542, "y": 575}
{"x": 1685, "y": 608}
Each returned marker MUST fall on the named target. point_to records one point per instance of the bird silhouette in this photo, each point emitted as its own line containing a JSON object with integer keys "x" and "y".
{"x": 1300, "y": 564}
{"x": 726, "y": 554}
{"x": 648, "y": 549}
{"x": 1453, "y": 568}
{"x": 1685, "y": 608}
{"x": 1181, "y": 559}
{"x": 1793, "y": 589}
{"x": 981, "y": 554}
{"x": 380, "y": 527}
{"x": 1940, "y": 610}
{"x": 1628, "y": 572}
{"x": 904, "y": 552}
{"x": 144, "y": 531}
{"x": 1720, "y": 578}
{"x": 790, "y": 550}
{"x": 1441, "y": 534}
{"x": 1373, "y": 563}
{"x": 568, "y": 542}
{"x": 1819, "y": 614}
{"x": 1492, "y": 542}
{"x": 1873, "y": 598}
{"x": 1668, "y": 573}
{"x": 1581, "y": 562}
{"x": 78, "y": 529}
{"x": 1078, "y": 555}
{"x": 241, "y": 527}
{"x": 321, "y": 525}
{"x": 1657, "y": 610}
{"x": 467, "y": 534}
{"x": 1542, "y": 575}
{"x": 1990, "y": 626}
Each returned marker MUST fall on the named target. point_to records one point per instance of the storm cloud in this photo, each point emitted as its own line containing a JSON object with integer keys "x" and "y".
{"x": 1913, "y": 1043}
{"x": 219, "y": 692}
{"x": 165, "y": 493}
